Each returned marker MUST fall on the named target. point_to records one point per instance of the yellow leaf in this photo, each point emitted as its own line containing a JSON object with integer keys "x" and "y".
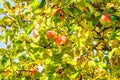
{"x": 49, "y": 52}
{"x": 91, "y": 64}
{"x": 83, "y": 64}
{"x": 111, "y": 52}
{"x": 34, "y": 45}
{"x": 47, "y": 10}
{"x": 87, "y": 34}
{"x": 117, "y": 52}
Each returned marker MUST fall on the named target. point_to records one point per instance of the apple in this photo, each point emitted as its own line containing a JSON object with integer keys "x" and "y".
{"x": 62, "y": 14}
{"x": 51, "y": 34}
{"x": 61, "y": 40}
{"x": 33, "y": 71}
{"x": 35, "y": 33}
{"x": 105, "y": 18}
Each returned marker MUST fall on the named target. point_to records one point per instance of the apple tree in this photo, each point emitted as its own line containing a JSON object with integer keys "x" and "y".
{"x": 60, "y": 39}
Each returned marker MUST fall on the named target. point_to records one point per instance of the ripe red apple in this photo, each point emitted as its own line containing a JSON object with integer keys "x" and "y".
{"x": 105, "y": 19}
{"x": 62, "y": 14}
{"x": 35, "y": 33}
{"x": 33, "y": 71}
{"x": 51, "y": 34}
{"x": 61, "y": 40}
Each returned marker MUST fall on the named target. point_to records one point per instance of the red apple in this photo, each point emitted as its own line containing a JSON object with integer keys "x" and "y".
{"x": 61, "y": 40}
{"x": 34, "y": 33}
{"x": 33, "y": 71}
{"x": 62, "y": 14}
{"x": 51, "y": 34}
{"x": 105, "y": 19}
{"x": 58, "y": 10}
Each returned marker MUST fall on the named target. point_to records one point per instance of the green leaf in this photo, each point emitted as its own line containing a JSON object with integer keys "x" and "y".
{"x": 56, "y": 19}
{"x": 66, "y": 77}
{"x": 69, "y": 12}
{"x": 18, "y": 43}
{"x": 90, "y": 25}
{"x": 88, "y": 14}
{"x": 28, "y": 27}
{"x": 92, "y": 10}
{"x": 113, "y": 18}
{"x": 102, "y": 65}
{"x": 8, "y": 33}
{"x": 113, "y": 36}
{"x": 75, "y": 75}
{"x": 5, "y": 61}
{"x": 43, "y": 2}
{"x": 32, "y": 56}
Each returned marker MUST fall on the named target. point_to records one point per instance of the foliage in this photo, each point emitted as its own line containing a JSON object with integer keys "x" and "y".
{"x": 91, "y": 51}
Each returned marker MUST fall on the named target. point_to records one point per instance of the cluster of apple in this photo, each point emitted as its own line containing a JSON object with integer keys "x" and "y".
{"x": 59, "y": 40}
